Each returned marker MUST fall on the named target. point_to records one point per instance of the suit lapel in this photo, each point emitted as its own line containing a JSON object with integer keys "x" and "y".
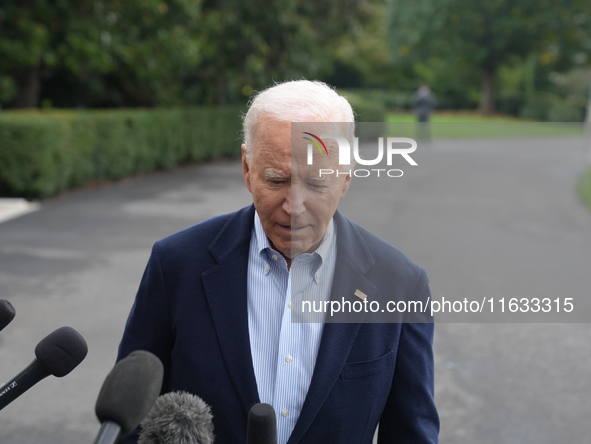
{"x": 338, "y": 338}
{"x": 226, "y": 291}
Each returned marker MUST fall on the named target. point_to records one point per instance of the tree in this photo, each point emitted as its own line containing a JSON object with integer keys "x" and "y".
{"x": 484, "y": 35}
{"x": 131, "y": 45}
{"x": 164, "y": 52}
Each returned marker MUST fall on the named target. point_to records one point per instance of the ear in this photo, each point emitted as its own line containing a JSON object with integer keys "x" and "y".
{"x": 245, "y": 168}
{"x": 346, "y": 185}
{"x": 348, "y": 179}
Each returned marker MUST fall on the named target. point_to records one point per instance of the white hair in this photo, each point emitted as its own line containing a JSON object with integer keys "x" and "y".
{"x": 295, "y": 101}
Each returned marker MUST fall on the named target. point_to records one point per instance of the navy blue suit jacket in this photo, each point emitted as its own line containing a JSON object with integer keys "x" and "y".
{"x": 191, "y": 311}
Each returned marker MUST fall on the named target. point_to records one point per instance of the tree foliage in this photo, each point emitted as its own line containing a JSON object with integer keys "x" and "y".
{"x": 155, "y": 52}
{"x": 484, "y": 35}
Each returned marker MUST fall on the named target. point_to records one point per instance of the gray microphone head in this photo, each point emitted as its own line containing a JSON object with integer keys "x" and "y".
{"x": 262, "y": 425}
{"x": 178, "y": 418}
{"x": 60, "y": 352}
{"x": 6, "y": 313}
{"x": 130, "y": 390}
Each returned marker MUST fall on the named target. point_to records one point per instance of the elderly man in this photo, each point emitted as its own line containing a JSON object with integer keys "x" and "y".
{"x": 216, "y": 300}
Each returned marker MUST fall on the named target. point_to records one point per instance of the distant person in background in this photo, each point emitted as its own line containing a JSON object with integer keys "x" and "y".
{"x": 423, "y": 101}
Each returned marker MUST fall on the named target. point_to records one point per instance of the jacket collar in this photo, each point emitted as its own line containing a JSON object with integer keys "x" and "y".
{"x": 233, "y": 235}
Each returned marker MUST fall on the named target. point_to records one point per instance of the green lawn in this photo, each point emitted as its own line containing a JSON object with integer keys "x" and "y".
{"x": 454, "y": 116}
{"x": 584, "y": 187}
{"x": 473, "y": 125}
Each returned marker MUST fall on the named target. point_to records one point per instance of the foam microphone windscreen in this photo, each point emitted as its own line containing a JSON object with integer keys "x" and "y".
{"x": 178, "y": 418}
{"x": 6, "y": 313}
{"x": 61, "y": 351}
{"x": 262, "y": 425}
{"x": 130, "y": 390}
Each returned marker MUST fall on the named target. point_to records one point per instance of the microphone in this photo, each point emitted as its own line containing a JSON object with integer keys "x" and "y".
{"x": 262, "y": 425}
{"x": 57, "y": 354}
{"x": 178, "y": 418}
{"x": 6, "y": 313}
{"x": 128, "y": 394}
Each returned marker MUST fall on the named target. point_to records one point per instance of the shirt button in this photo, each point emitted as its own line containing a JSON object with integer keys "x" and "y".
{"x": 274, "y": 257}
{"x": 290, "y": 304}
{"x": 288, "y": 358}
{"x": 317, "y": 276}
{"x": 266, "y": 267}
{"x": 284, "y": 412}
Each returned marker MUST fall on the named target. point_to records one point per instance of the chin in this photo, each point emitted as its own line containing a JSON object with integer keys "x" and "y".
{"x": 282, "y": 246}
{"x": 290, "y": 252}
{"x": 296, "y": 251}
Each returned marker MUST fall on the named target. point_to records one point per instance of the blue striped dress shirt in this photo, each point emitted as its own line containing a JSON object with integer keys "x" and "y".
{"x": 284, "y": 353}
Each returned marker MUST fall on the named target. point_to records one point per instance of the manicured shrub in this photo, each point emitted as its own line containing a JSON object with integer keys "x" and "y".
{"x": 42, "y": 153}
{"x": 564, "y": 111}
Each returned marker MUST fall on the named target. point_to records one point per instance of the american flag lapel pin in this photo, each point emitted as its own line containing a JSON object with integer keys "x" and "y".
{"x": 361, "y": 295}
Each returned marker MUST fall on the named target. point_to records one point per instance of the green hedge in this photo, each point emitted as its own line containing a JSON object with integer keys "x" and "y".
{"x": 43, "y": 153}
{"x": 367, "y": 108}
{"x": 554, "y": 108}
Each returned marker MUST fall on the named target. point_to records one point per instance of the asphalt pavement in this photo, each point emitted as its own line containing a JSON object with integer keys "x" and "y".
{"x": 485, "y": 218}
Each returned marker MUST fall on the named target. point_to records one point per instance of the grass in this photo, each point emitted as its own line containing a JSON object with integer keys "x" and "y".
{"x": 454, "y": 116}
{"x": 584, "y": 187}
{"x": 473, "y": 125}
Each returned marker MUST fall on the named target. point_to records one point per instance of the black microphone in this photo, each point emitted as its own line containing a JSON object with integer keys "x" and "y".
{"x": 178, "y": 418}
{"x": 128, "y": 394}
{"x": 6, "y": 313}
{"x": 262, "y": 425}
{"x": 57, "y": 354}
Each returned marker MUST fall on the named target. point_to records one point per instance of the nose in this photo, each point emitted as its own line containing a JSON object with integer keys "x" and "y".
{"x": 294, "y": 202}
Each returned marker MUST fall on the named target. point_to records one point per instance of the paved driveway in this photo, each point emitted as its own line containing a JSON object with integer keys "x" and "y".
{"x": 485, "y": 218}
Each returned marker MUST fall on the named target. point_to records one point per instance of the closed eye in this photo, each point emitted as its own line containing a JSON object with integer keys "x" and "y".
{"x": 316, "y": 185}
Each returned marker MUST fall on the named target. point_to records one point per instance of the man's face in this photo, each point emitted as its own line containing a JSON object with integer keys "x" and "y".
{"x": 294, "y": 204}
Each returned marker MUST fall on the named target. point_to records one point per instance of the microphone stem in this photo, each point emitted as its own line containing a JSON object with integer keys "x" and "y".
{"x": 22, "y": 382}
{"x": 109, "y": 433}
